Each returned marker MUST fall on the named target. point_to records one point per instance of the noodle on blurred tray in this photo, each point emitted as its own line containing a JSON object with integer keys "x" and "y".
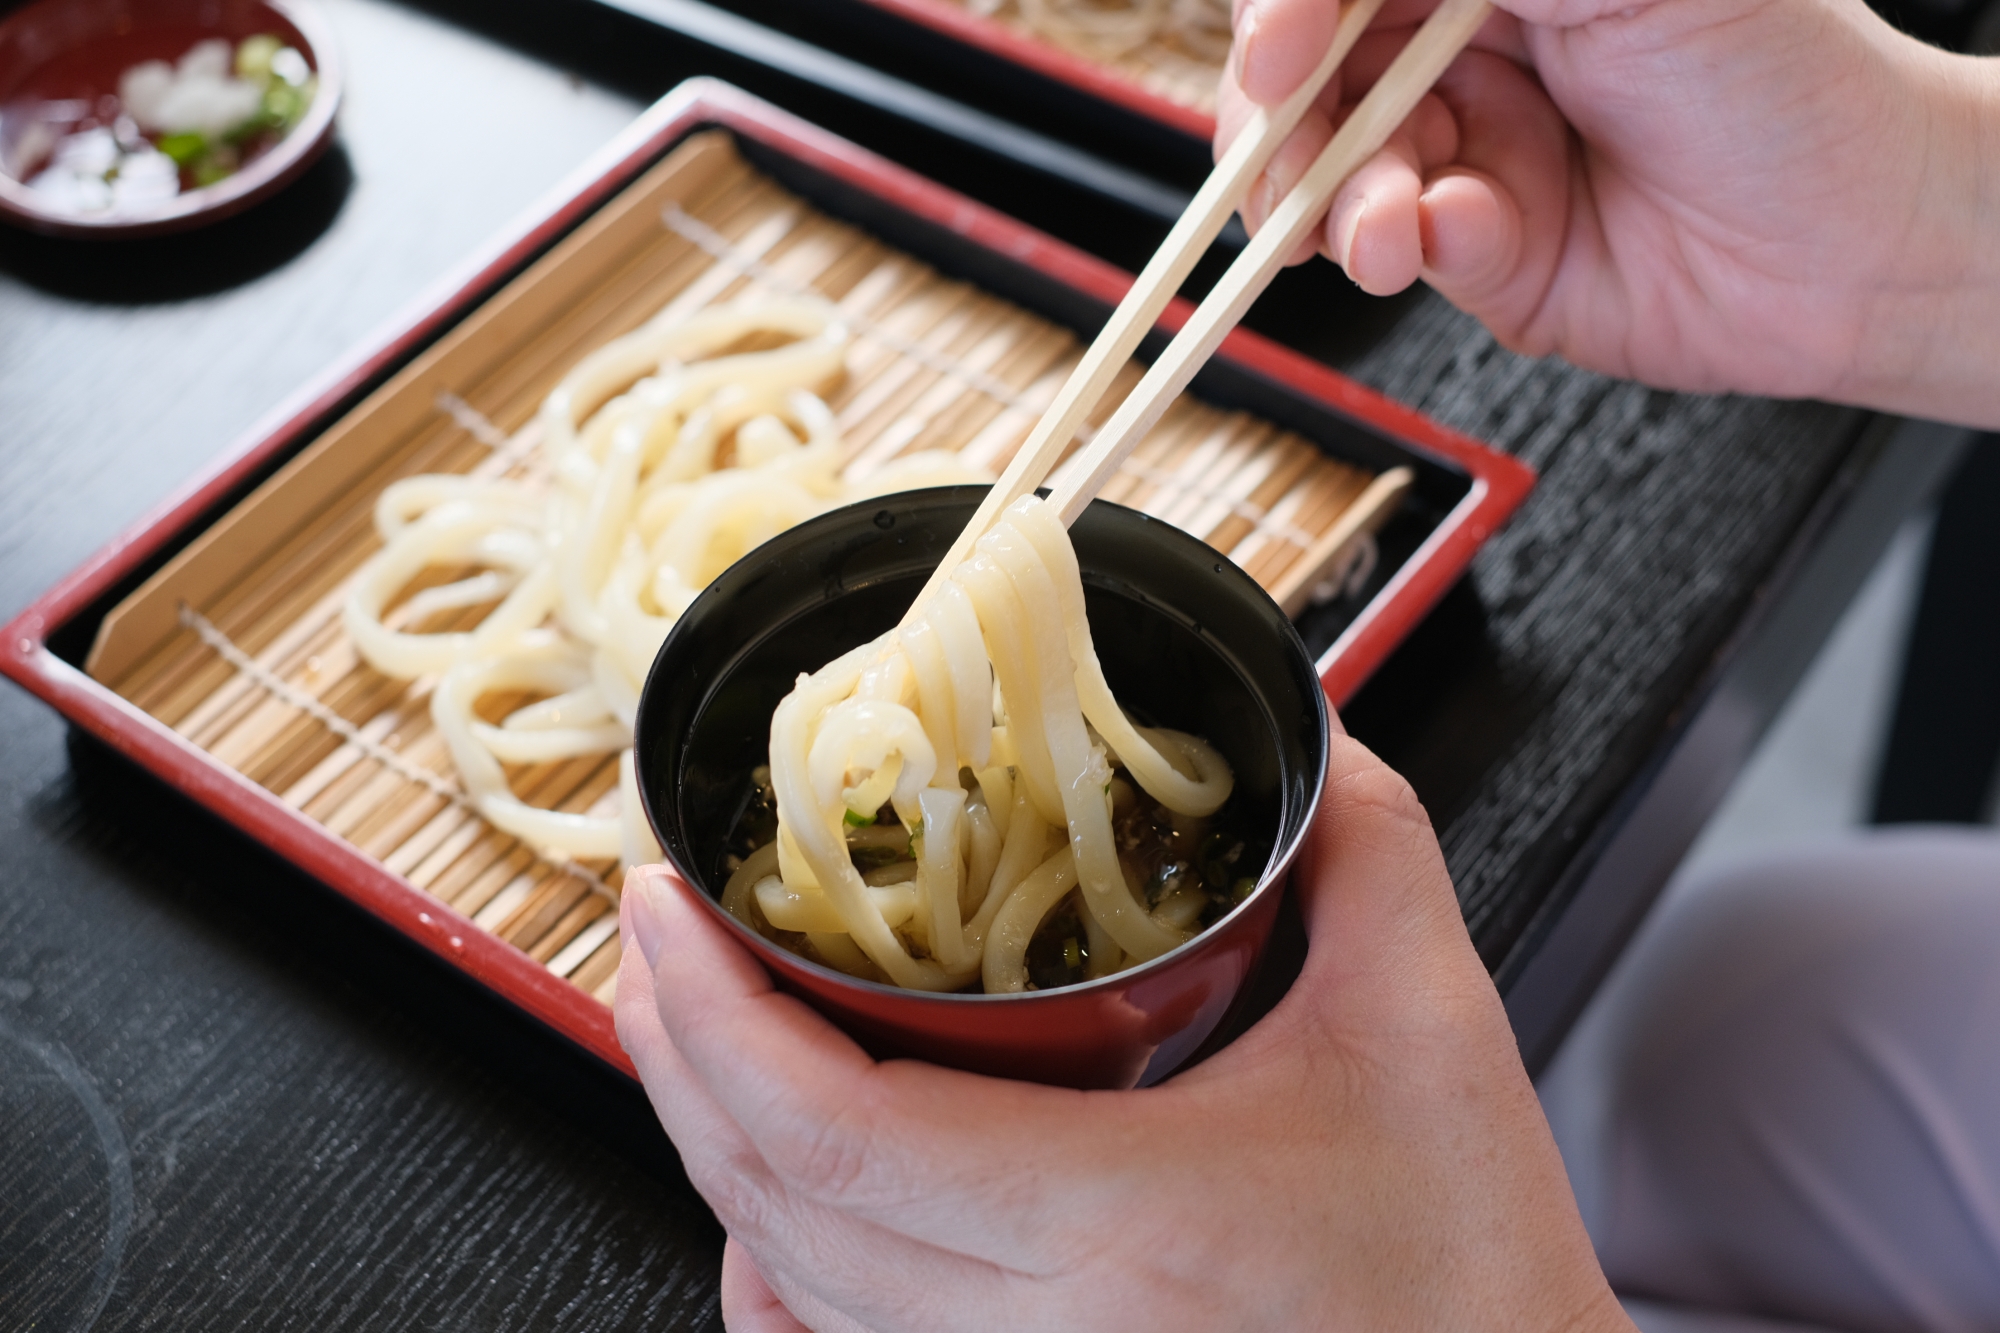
{"x": 1174, "y": 48}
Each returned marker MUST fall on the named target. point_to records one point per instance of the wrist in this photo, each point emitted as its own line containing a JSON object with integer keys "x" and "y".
{"x": 1929, "y": 321}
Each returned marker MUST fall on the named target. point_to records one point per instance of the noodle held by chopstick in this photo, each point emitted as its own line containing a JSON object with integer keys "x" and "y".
{"x": 997, "y": 677}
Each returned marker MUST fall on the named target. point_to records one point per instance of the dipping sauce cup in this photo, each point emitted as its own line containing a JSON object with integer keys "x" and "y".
{"x": 73, "y": 53}
{"x": 1187, "y": 640}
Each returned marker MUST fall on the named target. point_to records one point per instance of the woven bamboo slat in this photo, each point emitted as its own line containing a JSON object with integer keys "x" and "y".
{"x": 237, "y": 644}
{"x": 1173, "y": 64}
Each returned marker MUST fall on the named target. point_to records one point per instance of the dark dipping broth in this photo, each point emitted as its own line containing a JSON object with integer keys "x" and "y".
{"x": 1203, "y": 866}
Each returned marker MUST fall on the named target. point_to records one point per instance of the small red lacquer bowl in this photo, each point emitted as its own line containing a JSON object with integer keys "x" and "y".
{"x": 73, "y": 52}
{"x": 1187, "y": 640}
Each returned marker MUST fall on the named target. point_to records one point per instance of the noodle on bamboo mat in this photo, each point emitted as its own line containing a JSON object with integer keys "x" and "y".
{"x": 238, "y": 644}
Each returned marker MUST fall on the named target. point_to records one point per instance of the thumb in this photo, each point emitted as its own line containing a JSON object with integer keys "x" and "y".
{"x": 1381, "y": 917}
{"x": 1386, "y": 949}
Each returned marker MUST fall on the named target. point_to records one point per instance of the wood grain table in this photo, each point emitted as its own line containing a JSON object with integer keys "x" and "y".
{"x": 229, "y": 1101}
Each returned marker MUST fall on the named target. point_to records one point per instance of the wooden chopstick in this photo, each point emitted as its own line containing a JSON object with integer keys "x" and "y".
{"x": 1386, "y": 106}
{"x": 1199, "y": 224}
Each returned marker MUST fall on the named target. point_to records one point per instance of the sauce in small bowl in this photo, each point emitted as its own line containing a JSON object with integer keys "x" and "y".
{"x": 121, "y": 118}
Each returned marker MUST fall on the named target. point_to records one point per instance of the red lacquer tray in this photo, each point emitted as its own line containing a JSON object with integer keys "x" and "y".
{"x": 1461, "y": 491}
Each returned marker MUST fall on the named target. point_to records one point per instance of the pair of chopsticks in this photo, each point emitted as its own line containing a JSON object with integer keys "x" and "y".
{"x": 1386, "y": 106}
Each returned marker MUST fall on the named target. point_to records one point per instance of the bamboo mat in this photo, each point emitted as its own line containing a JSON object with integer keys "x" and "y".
{"x": 238, "y": 644}
{"x": 1164, "y": 65}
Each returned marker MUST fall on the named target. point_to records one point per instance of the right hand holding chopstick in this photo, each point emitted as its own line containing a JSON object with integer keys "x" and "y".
{"x": 1778, "y": 198}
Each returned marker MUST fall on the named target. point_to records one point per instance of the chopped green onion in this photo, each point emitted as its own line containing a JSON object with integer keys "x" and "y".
{"x": 916, "y": 831}
{"x": 858, "y": 820}
{"x": 284, "y": 105}
{"x": 1242, "y": 889}
{"x": 1072, "y": 953}
{"x": 185, "y": 147}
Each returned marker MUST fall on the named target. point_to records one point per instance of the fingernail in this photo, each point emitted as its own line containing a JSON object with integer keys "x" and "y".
{"x": 1347, "y": 230}
{"x": 642, "y": 909}
{"x": 1246, "y": 37}
{"x": 1262, "y": 200}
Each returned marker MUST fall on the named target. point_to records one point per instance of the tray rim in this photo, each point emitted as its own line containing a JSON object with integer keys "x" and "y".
{"x": 1080, "y": 72}
{"x": 1499, "y": 483}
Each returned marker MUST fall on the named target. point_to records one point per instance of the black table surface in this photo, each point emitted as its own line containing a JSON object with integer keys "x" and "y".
{"x": 228, "y": 1100}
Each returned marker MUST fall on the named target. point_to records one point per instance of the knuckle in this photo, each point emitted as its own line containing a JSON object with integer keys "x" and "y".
{"x": 835, "y": 1159}
{"x": 633, "y": 1016}
{"x": 733, "y": 1190}
{"x": 1373, "y": 792}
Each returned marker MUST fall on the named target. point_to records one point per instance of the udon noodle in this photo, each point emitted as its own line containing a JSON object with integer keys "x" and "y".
{"x": 1109, "y": 29}
{"x": 941, "y": 791}
{"x": 669, "y": 453}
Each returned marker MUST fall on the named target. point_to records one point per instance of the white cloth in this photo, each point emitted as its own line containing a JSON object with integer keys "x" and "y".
{"x": 1786, "y": 1103}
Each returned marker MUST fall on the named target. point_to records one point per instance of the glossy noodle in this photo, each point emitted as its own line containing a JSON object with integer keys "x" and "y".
{"x": 941, "y": 791}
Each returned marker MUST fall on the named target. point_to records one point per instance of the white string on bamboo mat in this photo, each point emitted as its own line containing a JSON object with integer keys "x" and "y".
{"x": 698, "y": 233}
{"x": 479, "y": 426}
{"x": 1265, "y": 525}
{"x": 471, "y": 420}
{"x": 290, "y": 695}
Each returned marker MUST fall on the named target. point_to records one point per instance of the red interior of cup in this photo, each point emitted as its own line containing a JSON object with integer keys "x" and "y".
{"x": 56, "y": 50}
